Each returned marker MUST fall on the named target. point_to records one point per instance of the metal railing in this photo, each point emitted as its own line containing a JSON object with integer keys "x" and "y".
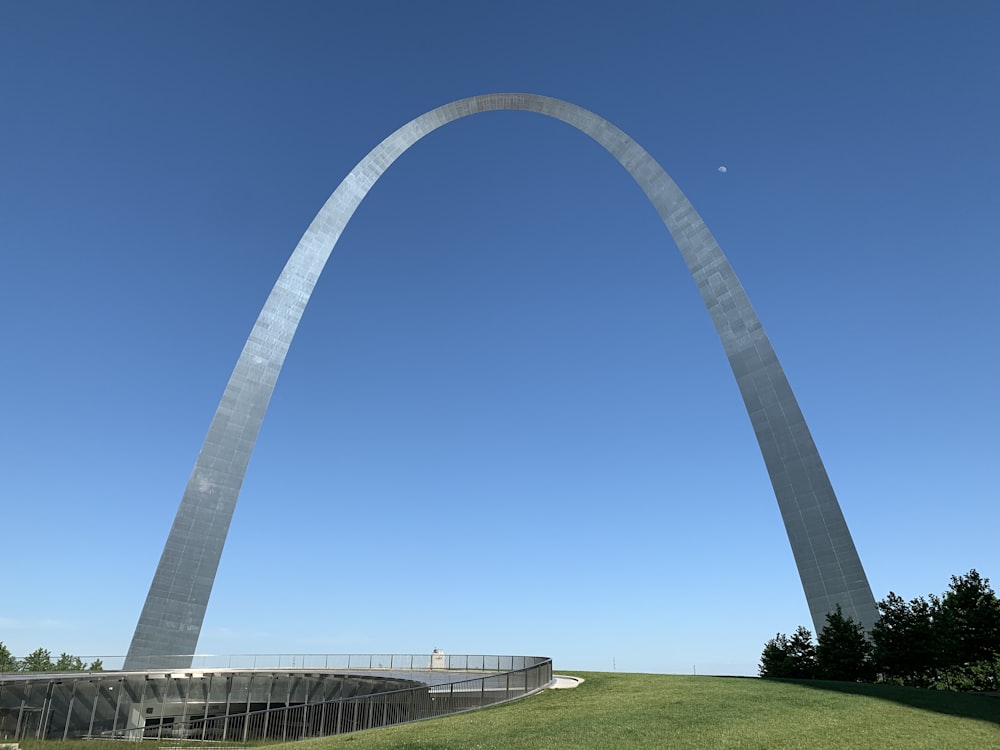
{"x": 288, "y": 723}
{"x": 409, "y": 662}
{"x": 316, "y": 695}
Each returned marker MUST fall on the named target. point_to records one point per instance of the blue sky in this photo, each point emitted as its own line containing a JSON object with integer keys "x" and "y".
{"x": 506, "y": 424}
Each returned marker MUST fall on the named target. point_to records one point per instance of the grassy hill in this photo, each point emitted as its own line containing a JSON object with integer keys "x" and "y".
{"x": 617, "y": 710}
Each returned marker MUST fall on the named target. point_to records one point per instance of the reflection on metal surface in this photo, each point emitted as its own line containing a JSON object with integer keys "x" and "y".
{"x": 824, "y": 552}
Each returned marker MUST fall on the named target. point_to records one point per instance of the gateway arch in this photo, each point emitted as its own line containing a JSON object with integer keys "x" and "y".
{"x": 827, "y": 560}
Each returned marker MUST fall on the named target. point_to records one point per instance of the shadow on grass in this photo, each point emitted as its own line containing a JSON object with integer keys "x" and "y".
{"x": 966, "y": 705}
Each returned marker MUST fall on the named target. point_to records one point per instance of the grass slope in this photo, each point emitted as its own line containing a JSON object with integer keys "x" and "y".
{"x": 617, "y": 710}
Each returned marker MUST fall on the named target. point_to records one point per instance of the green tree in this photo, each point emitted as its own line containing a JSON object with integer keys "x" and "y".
{"x": 968, "y": 624}
{"x": 68, "y": 663}
{"x": 7, "y": 662}
{"x": 802, "y": 654}
{"x": 949, "y": 642}
{"x": 39, "y": 660}
{"x": 843, "y": 652}
{"x": 905, "y": 641}
{"x": 970, "y": 618}
{"x": 774, "y": 658}
{"x": 785, "y": 657}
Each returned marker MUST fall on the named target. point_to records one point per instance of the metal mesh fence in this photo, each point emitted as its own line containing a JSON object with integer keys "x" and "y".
{"x": 255, "y": 698}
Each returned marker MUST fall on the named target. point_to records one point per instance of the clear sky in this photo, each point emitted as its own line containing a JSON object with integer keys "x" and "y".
{"x": 506, "y": 424}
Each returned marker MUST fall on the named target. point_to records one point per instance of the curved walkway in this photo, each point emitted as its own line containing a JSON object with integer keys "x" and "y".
{"x": 564, "y": 682}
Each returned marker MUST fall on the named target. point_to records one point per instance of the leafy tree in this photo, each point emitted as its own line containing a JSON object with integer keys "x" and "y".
{"x": 970, "y": 616}
{"x": 949, "y": 642}
{"x": 969, "y": 631}
{"x": 905, "y": 641}
{"x": 68, "y": 663}
{"x": 39, "y": 660}
{"x": 7, "y": 662}
{"x": 774, "y": 658}
{"x": 802, "y": 654}
{"x": 793, "y": 657}
{"x": 843, "y": 651}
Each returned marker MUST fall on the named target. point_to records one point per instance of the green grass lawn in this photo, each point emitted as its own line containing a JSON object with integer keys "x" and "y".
{"x": 617, "y": 710}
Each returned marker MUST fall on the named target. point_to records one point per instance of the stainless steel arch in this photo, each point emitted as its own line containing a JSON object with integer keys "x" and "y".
{"x": 824, "y": 552}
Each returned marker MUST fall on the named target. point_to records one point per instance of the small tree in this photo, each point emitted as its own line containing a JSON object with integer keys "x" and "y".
{"x": 39, "y": 660}
{"x": 68, "y": 663}
{"x": 7, "y": 662}
{"x": 802, "y": 654}
{"x": 843, "y": 652}
{"x": 774, "y": 658}
{"x": 785, "y": 657}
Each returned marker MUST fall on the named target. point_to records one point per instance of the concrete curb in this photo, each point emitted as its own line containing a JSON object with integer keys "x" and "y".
{"x": 564, "y": 682}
